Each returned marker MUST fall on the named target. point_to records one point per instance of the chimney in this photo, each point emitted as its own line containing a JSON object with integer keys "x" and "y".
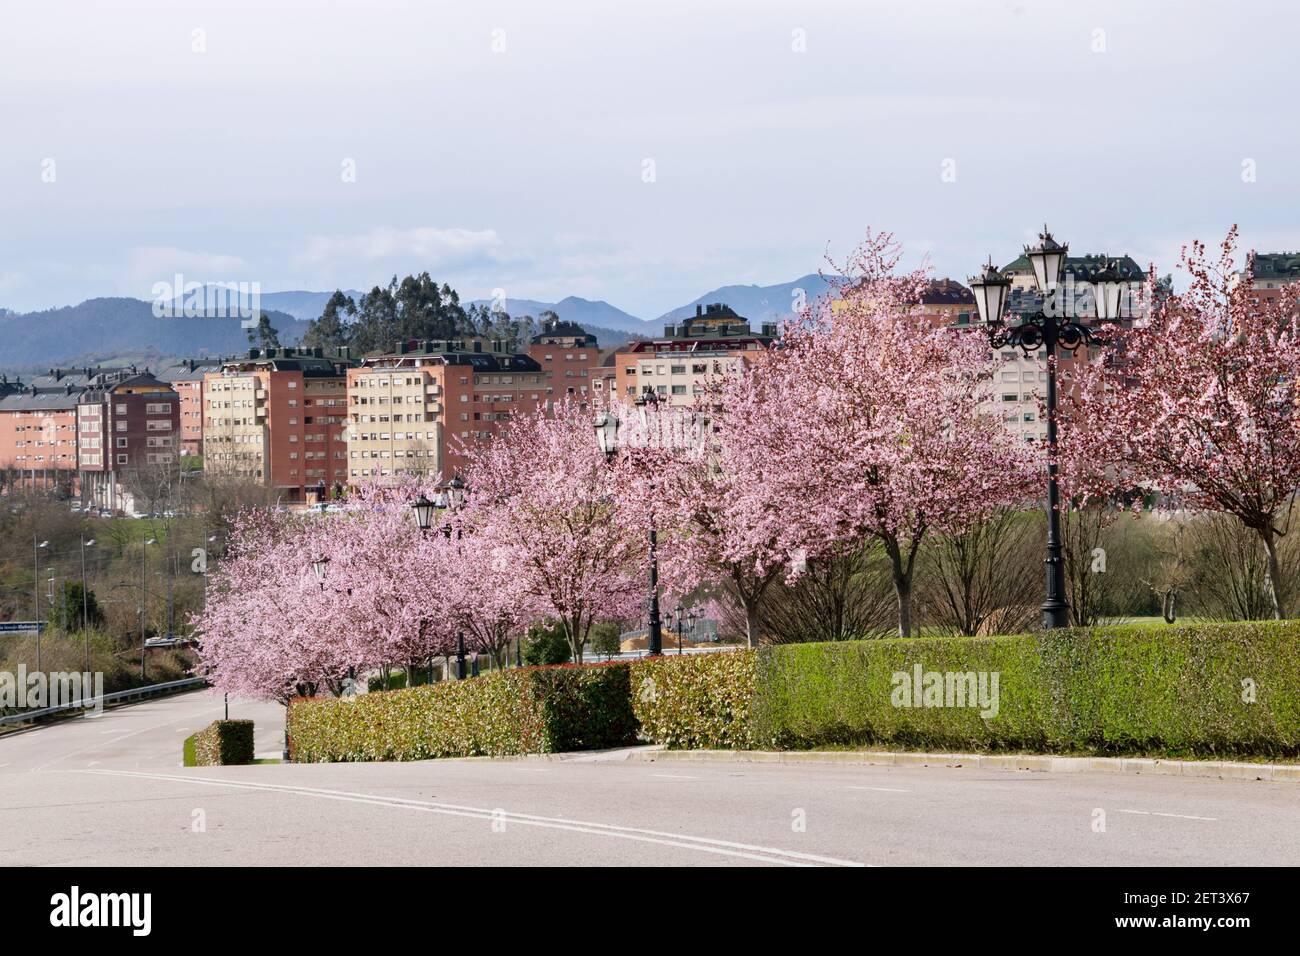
{"x": 699, "y": 310}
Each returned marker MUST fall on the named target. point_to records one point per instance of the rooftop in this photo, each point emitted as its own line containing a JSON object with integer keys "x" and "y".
{"x": 563, "y": 330}
{"x": 1084, "y": 267}
{"x": 1277, "y": 265}
{"x": 456, "y": 352}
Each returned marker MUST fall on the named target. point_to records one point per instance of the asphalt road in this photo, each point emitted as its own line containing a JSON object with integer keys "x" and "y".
{"x": 111, "y": 791}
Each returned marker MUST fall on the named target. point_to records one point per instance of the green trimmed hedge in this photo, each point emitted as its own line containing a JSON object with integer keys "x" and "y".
{"x": 1127, "y": 689}
{"x": 223, "y": 743}
{"x": 700, "y": 701}
{"x": 527, "y": 710}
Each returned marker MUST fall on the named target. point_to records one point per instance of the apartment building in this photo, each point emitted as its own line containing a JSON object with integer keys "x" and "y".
{"x": 714, "y": 342}
{"x": 948, "y": 302}
{"x": 128, "y": 436}
{"x": 187, "y": 378}
{"x": 278, "y": 417}
{"x": 418, "y": 408}
{"x": 38, "y": 427}
{"x": 1273, "y": 270}
{"x": 566, "y": 353}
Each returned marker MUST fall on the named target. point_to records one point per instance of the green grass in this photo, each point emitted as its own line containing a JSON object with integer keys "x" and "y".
{"x": 187, "y": 752}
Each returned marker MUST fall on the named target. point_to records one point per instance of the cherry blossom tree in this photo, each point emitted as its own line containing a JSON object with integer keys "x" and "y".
{"x": 486, "y": 598}
{"x": 717, "y": 521}
{"x": 542, "y": 493}
{"x": 260, "y": 631}
{"x": 870, "y": 424}
{"x": 272, "y": 629}
{"x": 1198, "y": 402}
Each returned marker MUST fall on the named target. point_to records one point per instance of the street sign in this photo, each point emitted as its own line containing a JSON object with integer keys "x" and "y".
{"x": 21, "y": 627}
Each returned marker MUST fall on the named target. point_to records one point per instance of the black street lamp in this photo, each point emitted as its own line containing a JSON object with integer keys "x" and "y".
{"x": 1045, "y": 331}
{"x": 318, "y": 568}
{"x": 607, "y": 426}
{"x": 424, "y": 509}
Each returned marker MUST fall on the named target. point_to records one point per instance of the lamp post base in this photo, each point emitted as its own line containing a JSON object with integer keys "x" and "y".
{"x": 1055, "y": 615}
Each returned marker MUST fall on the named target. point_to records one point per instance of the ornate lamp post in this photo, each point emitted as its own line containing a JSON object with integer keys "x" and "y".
{"x": 449, "y": 497}
{"x": 607, "y": 427}
{"x": 1047, "y": 330}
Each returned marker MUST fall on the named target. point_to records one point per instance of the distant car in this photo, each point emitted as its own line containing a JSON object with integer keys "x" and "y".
{"x": 166, "y": 642}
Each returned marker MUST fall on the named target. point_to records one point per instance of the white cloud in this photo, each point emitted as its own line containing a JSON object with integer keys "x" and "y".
{"x": 424, "y": 247}
{"x": 157, "y": 263}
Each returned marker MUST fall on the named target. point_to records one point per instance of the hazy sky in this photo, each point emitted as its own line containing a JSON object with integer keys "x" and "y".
{"x": 506, "y": 144}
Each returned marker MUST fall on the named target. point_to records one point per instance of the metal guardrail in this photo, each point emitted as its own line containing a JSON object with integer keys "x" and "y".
{"x": 117, "y": 697}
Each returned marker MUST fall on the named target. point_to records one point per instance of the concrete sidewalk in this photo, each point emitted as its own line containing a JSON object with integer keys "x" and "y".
{"x": 1220, "y": 769}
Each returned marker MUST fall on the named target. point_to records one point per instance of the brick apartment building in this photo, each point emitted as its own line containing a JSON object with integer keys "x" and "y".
{"x": 38, "y": 427}
{"x": 714, "y": 342}
{"x": 187, "y": 379}
{"x": 413, "y": 409}
{"x": 566, "y": 354}
{"x": 277, "y": 417}
{"x": 128, "y": 435}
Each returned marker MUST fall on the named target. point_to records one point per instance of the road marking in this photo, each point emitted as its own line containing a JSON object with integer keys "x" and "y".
{"x": 880, "y": 789}
{"x": 1180, "y": 816}
{"x": 673, "y": 776}
{"x": 747, "y": 851}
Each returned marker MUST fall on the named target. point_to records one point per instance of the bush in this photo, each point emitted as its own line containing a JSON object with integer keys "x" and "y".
{"x": 696, "y": 701}
{"x": 224, "y": 742}
{"x": 529, "y": 710}
{"x": 546, "y": 644}
{"x": 1205, "y": 689}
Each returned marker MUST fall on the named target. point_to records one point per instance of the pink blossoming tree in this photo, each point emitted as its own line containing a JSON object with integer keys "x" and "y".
{"x": 541, "y": 496}
{"x": 869, "y": 424}
{"x": 1199, "y": 403}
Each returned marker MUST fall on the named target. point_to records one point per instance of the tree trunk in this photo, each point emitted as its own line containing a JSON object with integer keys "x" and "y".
{"x": 902, "y": 587}
{"x": 575, "y": 646}
{"x": 751, "y": 622}
{"x": 1274, "y": 574}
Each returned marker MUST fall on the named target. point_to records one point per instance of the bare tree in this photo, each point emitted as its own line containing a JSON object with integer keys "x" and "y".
{"x": 840, "y": 597}
{"x": 987, "y": 580}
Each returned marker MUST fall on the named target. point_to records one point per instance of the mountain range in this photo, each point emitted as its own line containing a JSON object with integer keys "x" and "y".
{"x": 107, "y": 330}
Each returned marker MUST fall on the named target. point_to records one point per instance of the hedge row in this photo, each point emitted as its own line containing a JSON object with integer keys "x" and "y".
{"x": 1198, "y": 689}
{"x": 1201, "y": 689}
{"x": 695, "y": 702}
{"x": 223, "y": 743}
{"x": 529, "y": 710}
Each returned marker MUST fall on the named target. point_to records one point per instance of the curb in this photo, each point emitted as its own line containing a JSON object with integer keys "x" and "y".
{"x": 1041, "y": 763}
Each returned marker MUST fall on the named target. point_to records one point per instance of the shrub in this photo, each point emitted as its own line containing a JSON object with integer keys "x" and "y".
{"x": 1136, "y": 688}
{"x": 696, "y": 701}
{"x": 546, "y": 644}
{"x": 529, "y": 710}
{"x": 224, "y": 742}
